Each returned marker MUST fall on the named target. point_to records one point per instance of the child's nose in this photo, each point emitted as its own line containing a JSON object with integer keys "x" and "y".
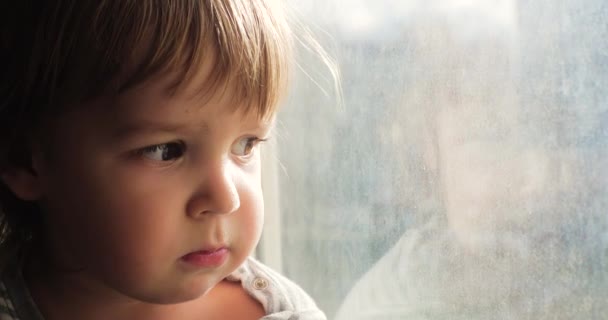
{"x": 217, "y": 192}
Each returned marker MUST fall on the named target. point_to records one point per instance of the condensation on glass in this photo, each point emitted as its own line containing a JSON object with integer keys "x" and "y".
{"x": 465, "y": 175}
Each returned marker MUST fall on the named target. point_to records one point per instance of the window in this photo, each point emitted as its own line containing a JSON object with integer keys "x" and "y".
{"x": 465, "y": 176}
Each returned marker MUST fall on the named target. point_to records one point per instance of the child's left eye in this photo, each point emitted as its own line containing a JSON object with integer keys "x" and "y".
{"x": 245, "y": 146}
{"x": 163, "y": 152}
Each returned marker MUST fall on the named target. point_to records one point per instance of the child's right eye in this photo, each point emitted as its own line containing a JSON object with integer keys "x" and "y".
{"x": 163, "y": 152}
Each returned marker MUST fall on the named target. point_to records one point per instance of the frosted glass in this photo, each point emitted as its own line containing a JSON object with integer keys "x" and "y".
{"x": 465, "y": 176}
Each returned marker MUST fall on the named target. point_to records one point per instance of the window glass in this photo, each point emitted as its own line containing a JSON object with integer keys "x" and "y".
{"x": 465, "y": 175}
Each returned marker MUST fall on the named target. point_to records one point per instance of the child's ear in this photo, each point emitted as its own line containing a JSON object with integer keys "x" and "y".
{"x": 23, "y": 182}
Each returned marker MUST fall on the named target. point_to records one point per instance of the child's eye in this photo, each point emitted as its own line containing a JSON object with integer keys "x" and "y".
{"x": 245, "y": 146}
{"x": 163, "y": 152}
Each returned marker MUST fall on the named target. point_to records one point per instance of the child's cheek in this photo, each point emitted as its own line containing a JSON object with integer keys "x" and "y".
{"x": 247, "y": 223}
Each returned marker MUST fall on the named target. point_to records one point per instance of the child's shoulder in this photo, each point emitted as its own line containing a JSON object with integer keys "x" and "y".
{"x": 280, "y": 297}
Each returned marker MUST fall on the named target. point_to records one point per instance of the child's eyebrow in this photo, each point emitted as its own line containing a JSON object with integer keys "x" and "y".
{"x": 126, "y": 130}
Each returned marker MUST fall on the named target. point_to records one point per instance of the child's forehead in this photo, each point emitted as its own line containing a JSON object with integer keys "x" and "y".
{"x": 196, "y": 86}
{"x": 159, "y": 99}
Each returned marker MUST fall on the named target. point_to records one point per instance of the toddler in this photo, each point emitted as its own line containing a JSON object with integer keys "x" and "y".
{"x": 130, "y": 164}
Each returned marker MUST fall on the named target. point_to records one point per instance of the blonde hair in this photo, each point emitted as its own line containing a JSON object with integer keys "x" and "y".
{"x": 58, "y": 54}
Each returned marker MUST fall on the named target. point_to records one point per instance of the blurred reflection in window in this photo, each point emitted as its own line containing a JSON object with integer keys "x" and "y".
{"x": 466, "y": 176}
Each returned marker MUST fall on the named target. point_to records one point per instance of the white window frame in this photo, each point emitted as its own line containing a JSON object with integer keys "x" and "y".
{"x": 269, "y": 247}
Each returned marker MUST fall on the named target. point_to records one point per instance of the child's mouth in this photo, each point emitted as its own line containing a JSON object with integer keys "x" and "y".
{"x": 207, "y": 258}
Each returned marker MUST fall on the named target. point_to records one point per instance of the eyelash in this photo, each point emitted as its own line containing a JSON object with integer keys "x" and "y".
{"x": 166, "y": 147}
{"x": 251, "y": 143}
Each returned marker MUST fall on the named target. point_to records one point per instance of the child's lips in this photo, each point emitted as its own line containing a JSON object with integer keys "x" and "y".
{"x": 207, "y": 258}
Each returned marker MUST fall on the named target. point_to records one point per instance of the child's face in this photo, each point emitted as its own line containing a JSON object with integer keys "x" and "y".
{"x": 130, "y": 216}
